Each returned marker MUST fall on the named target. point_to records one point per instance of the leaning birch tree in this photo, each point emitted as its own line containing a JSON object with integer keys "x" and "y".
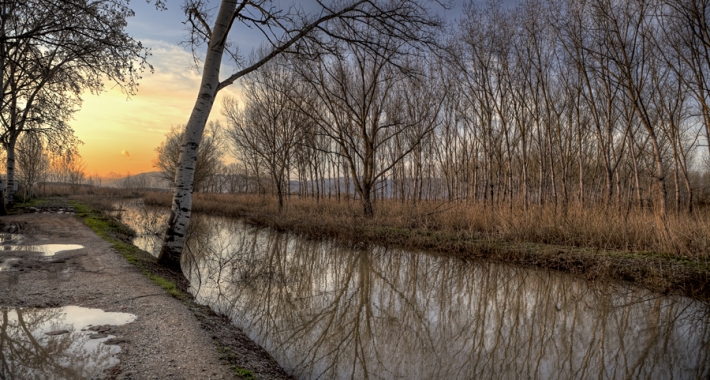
{"x": 410, "y": 21}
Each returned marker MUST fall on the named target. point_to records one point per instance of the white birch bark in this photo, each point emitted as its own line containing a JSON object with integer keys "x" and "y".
{"x": 176, "y": 233}
{"x": 10, "y": 166}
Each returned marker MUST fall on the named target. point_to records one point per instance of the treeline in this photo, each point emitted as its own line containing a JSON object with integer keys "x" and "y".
{"x": 549, "y": 102}
{"x": 40, "y": 166}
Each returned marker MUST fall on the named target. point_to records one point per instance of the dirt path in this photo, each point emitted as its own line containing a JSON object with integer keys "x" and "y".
{"x": 165, "y": 341}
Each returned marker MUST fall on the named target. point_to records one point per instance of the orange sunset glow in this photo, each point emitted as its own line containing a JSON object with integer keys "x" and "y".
{"x": 120, "y": 133}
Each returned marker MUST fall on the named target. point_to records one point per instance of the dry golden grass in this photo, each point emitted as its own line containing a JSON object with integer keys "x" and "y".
{"x": 601, "y": 228}
{"x": 63, "y": 190}
{"x": 101, "y": 198}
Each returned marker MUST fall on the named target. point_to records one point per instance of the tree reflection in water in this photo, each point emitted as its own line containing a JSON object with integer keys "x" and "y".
{"x": 26, "y": 352}
{"x": 325, "y": 311}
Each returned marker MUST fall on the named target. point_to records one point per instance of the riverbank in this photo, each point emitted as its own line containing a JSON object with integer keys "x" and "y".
{"x": 172, "y": 335}
{"x": 598, "y": 245}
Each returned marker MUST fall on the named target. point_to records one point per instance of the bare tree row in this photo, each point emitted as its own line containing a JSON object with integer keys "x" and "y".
{"x": 552, "y": 101}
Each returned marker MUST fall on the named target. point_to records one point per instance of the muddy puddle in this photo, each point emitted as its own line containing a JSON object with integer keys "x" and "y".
{"x": 70, "y": 342}
{"x": 10, "y": 249}
{"x": 9, "y": 263}
{"x": 44, "y": 249}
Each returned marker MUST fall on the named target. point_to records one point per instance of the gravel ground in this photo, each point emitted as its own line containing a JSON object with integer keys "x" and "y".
{"x": 168, "y": 340}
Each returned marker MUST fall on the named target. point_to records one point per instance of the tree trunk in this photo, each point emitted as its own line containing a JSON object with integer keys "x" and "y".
{"x": 580, "y": 158}
{"x": 176, "y": 234}
{"x": 676, "y": 183}
{"x": 10, "y": 179}
{"x": 660, "y": 177}
{"x": 689, "y": 189}
{"x": 526, "y": 191}
{"x": 279, "y": 184}
{"x": 367, "y": 208}
{"x": 637, "y": 181}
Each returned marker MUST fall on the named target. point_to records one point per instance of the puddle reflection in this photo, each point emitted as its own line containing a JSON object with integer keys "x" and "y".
{"x": 45, "y": 249}
{"x": 49, "y": 343}
{"x": 324, "y": 311}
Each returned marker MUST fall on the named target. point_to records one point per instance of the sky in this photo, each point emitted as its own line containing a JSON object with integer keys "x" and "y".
{"x": 120, "y": 134}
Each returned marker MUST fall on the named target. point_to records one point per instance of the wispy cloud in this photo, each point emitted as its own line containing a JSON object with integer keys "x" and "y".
{"x": 164, "y": 99}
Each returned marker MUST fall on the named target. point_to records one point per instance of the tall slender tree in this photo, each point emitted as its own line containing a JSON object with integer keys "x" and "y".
{"x": 409, "y": 21}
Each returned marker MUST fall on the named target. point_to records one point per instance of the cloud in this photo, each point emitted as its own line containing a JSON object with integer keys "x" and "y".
{"x": 165, "y": 98}
{"x": 163, "y": 131}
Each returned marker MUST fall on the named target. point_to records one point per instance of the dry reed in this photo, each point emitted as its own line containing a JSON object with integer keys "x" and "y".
{"x": 600, "y": 228}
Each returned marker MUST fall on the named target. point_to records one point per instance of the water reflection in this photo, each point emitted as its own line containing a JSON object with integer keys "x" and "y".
{"x": 48, "y": 343}
{"x": 324, "y": 311}
{"x": 148, "y": 223}
{"x": 45, "y": 249}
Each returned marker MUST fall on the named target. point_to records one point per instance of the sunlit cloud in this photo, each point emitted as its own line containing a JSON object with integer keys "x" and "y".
{"x": 126, "y": 153}
{"x": 164, "y": 99}
{"x": 164, "y": 131}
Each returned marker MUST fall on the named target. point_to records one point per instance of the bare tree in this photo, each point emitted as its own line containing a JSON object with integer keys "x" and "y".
{"x": 358, "y": 108}
{"x": 270, "y": 125}
{"x": 626, "y": 33}
{"x": 68, "y": 168}
{"x": 32, "y": 162}
{"x": 686, "y": 31}
{"x": 235, "y": 178}
{"x": 209, "y": 156}
{"x": 407, "y": 20}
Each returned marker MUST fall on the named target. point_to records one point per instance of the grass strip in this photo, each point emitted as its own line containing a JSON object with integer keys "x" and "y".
{"x": 228, "y": 356}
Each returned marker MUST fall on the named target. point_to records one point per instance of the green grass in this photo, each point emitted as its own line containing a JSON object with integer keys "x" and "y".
{"x": 21, "y": 203}
{"x": 111, "y": 230}
{"x": 33, "y": 202}
{"x": 244, "y": 373}
{"x": 226, "y": 355}
{"x": 168, "y": 285}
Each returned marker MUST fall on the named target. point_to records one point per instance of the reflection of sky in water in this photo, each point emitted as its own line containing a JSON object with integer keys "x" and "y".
{"x": 324, "y": 311}
{"x": 148, "y": 224}
{"x": 27, "y": 352}
{"x": 45, "y": 249}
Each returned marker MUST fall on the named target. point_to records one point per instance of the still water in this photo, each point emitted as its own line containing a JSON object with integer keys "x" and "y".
{"x": 326, "y": 311}
{"x": 56, "y": 343}
{"x": 44, "y": 249}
